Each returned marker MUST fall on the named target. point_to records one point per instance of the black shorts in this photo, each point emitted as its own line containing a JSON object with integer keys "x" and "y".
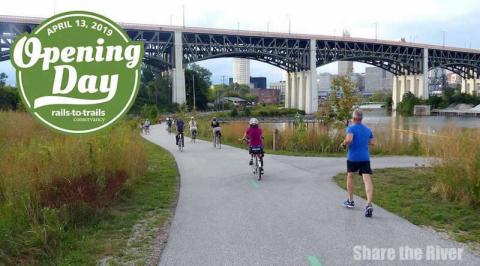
{"x": 362, "y": 167}
{"x": 256, "y": 150}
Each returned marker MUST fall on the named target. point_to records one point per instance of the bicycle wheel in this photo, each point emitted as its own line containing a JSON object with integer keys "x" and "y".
{"x": 219, "y": 140}
{"x": 259, "y": 168}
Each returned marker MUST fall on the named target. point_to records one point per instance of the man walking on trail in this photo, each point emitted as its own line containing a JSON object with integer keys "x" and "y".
{"x": 358, "y": 139}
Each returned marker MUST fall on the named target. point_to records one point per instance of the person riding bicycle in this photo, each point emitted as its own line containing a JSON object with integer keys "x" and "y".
{"x": 146, "y": 126}
{"x": 216, "y": 127}
{"x": 193, "y": 126}
{"x": 180, "y": 128}
{"x": 169, "y": 123}
{"x": 254, "y": 135}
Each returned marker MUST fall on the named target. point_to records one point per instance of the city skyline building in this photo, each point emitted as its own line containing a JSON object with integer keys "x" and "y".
{"x": 241, "y": 71}
{"x": 377, "y": 79}
{"x": 345, "y": 68}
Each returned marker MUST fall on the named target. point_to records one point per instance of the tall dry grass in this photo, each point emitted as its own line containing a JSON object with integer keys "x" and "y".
{"x": 457, "y": 172}
{"x": 49, "y": 181}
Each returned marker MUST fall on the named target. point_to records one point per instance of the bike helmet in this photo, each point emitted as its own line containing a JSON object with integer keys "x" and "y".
{"x": 253, "y": 121}
{"x": 214, "y": 119}
{"x": 191, "y": 118}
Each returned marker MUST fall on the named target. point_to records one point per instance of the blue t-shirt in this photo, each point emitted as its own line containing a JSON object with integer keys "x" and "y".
{"x": 358, "y": 149}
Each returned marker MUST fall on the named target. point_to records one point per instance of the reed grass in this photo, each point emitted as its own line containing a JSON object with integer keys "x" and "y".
{"x": 50, "y": 181}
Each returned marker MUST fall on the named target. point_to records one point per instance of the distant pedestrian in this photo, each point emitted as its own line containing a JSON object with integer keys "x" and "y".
{"x": 358, "y": 139}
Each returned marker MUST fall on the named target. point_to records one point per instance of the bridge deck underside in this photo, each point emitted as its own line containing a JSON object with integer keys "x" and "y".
{"x": 290, "y": 54}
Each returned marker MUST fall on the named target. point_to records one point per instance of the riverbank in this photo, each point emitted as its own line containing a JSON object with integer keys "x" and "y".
{"x": 408, "y": 193}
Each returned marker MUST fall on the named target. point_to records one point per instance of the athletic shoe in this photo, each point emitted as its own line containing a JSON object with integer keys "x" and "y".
{"x": 369, "y": 210}
{"x": 261, "y": 170}
{"x": 349, "y": 204}
{"x": 251, "y": 162}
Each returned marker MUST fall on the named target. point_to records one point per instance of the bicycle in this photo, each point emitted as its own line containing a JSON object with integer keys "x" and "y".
{"x": 257, "y": 154}
{"x": 217, "y": 140}
{"x": 180, "y": 141}
{"x": 194, "y": 135}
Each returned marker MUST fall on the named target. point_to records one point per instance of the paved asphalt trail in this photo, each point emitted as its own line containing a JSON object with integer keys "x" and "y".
{"x": 294, "y": 216}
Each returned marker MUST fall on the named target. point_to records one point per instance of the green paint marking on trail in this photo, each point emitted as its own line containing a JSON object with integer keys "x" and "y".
{"x": 255, "y": 184}
{"x": 314, "y": 261}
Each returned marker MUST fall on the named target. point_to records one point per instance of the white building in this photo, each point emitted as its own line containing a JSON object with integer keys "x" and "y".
{"x": 345, "y": 68}
{"x": 241, "y": 71}
{"x": 377, "y": 79}
{"x": 324, "y": 81}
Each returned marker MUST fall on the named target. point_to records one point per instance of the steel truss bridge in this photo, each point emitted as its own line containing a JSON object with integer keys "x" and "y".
{"x": 170, "y": 48}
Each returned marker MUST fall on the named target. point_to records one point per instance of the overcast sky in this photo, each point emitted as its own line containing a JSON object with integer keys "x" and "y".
{"x": 415, "y": 20}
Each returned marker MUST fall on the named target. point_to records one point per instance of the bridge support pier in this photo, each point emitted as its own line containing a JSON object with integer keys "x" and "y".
{"x": 407, "y": 83}
{"x": 301, "y": 87}
{"x": 470, "y": 86}
{"x": 178, "y": 80}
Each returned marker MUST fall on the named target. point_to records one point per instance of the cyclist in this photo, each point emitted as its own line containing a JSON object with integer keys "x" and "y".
{"x": 146, "y": 126}
{"x": 193, "y": 127}
{"x": 254, "y": 135}
{"x": 169, "y": 124}
{"x": 180, "y": 126}
{"x": 215, "y": 128}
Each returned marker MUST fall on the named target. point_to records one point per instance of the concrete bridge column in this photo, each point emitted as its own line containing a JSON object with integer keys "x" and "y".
{"x": 294, "y": 90}
{"x": 301, "y": 87}
{"x": 288, "y": 88}
{"x": 178, "y": 95}
{"x": 470, "y": 86}
{"x": 301, "y": 90}
{"x": 311, "y": 81}
{"x": 407, "y": 83}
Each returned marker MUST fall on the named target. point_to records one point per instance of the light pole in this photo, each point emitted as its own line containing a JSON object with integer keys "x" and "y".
{"x": 443, "y": 38}
{"x": 183, "y": 15}
{"x": 223, "y": 88}
{"x": 193, "y": 85}
{"x": 289, "y": 24}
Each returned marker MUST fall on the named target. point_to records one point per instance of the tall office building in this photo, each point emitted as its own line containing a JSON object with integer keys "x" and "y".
{"x": 345, "y": 68}
{"x": 241, "y": 71}
{"x": 377, "y": 79}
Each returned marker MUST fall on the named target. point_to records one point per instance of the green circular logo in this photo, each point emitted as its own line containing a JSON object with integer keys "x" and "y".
{"x": 78, "y": 72}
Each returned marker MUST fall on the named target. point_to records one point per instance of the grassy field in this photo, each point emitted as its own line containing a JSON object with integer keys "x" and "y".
{"x": 61, "y": 196}
{"x": 126, "y": 233}
{"x": 408, "y": 193}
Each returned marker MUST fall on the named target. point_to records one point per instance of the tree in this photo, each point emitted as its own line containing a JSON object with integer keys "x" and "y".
{"x": 406, "y": 106}
{"x": 202, "y": 84}
{"x": 9, "y": 98}
{"x": 343, "y": 98}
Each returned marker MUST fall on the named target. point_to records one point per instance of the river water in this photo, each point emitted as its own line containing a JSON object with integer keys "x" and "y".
{"x": 382, "y": 122}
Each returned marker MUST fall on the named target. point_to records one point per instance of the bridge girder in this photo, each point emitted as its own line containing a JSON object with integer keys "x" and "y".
{"x": 290, "y": 54}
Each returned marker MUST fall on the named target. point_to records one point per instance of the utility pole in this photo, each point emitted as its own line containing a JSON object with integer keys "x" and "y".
{"x": 193, "y": 85}
{"x": 183, "y": 15}
{"x": 289, "y": 25}
{"x": 223, "y": 88}
{"x": 443, "y": 35}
